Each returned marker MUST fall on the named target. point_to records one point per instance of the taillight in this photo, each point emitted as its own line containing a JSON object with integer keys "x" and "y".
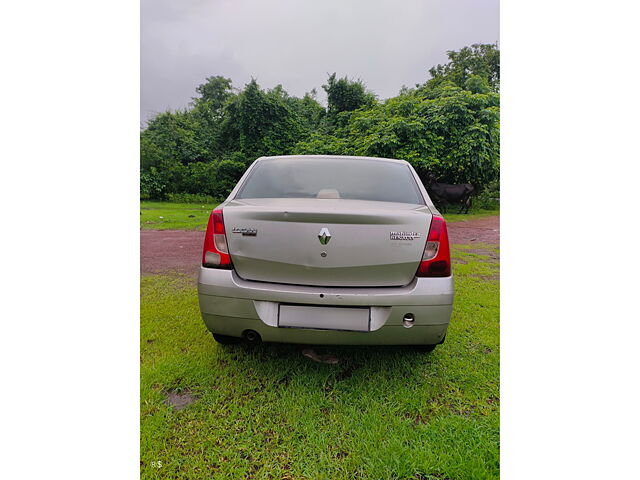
{"x": 436, "y": 259}
{"x": 216, "y": 253}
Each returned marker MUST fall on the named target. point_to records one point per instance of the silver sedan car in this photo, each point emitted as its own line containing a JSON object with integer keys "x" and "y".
{"x": 327, "y": 250}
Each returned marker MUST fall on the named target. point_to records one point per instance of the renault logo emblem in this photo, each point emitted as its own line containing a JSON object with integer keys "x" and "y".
{"x": 324, "y": 236}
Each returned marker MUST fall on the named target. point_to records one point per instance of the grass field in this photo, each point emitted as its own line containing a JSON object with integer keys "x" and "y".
{"x": 268, "y": 412}
{"x": 174, "y": 216}
{"x": 472, "y": 215}
{"x": 190, "y": 216}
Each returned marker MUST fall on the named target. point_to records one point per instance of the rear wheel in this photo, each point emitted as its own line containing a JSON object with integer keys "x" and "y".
{"x": 225, "y": 339}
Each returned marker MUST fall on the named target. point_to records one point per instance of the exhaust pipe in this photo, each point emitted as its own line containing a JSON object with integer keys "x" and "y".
{"x": 407, "y": 321}
{"x": 252, "y": 337}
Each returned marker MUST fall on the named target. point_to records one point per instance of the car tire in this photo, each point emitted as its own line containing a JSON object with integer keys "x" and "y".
{"x": 225, "y": 339}
{"x": 425, "y": 348}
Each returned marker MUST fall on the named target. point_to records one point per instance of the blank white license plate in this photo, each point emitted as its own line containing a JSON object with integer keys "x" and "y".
{"x": 324, "y": 318}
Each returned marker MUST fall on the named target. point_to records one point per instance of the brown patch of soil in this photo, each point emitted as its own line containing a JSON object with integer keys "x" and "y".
{"x": 166, "y": 250}
{"x": 480, "y": 230}
{"x": 180, "y": 251}
{"x": 180, "y": 400}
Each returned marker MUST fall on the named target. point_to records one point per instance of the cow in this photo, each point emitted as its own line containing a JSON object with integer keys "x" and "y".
{"x": 445, "y": 193}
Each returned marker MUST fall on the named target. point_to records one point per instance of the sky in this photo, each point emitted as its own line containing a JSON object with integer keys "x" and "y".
{"x": 298, "y": 43}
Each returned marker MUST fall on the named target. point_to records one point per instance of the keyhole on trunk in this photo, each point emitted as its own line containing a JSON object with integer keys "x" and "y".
{"x": 323, "y": 254}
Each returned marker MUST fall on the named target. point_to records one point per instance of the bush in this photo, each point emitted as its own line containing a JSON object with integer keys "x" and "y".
{"x": 489, "y": 197}
{"x": 198, "y": 178}
{"x": 227, "y": 175}
{"x": 152, "y": 185}
{"x": 191, "y": 198}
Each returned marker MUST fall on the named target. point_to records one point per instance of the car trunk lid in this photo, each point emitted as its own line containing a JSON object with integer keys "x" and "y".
{"x": 326, "y": 242}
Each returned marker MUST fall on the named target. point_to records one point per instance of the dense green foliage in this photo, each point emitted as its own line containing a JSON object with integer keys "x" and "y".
{"x": 468, "y": 66}
{"x": 448, "y": 125}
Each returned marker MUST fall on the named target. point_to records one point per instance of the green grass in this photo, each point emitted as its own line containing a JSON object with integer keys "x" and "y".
{"x": 472, "y": 215}
{"x": 190, "y": 216}
{"x": 268, "y": 412}
{"x": 174, "y": 216}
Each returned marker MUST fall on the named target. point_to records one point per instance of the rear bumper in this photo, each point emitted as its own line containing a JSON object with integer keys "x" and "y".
{"x": 231, "y": 305}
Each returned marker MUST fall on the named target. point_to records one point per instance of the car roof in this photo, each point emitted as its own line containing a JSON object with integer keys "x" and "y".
{"x": 338, "y": 157}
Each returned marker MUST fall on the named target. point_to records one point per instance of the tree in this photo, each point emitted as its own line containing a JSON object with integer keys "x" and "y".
{"x": 260, "y": 123}
{"x": 177, "y": 135}
{"x": 150, "y": 154}
{"x": 214, "y": 93}
{"x": 320, "y": 143}
{"x": 482, "y": 60}
{"x": 447, "y": 131}
{"x": 229, "y": 172}
{"x": 208, "y": 110}
{"x": 448, "y": 126}
{"x": 345, "y": 95}
{"x": 476, "y": 84}
{"x": 309, "y": 110}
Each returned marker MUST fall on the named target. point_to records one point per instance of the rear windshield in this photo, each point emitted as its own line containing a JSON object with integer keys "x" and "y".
{"x": 359, "y": 179}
